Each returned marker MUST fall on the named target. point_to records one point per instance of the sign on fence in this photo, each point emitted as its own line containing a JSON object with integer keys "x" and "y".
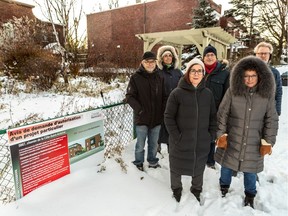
{"x": 41, "y": 152}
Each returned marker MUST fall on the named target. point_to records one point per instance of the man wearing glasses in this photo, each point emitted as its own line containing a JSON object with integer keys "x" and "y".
{"x": 217, "y": 80}
{"x": 146, "y": 95}
{"x": 264, "y": 51}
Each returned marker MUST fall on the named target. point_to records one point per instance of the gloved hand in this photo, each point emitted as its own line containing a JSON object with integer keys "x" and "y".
{"x": 221, "y": 142}
{"x": 265, "y": 148}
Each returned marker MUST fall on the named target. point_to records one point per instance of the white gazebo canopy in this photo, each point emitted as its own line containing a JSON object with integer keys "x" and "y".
{"x": 201, "y": 37}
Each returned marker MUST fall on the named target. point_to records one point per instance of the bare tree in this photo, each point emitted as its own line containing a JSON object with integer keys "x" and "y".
{"x": 264, "y": 20}
{"x": 274, "y": 23}
{"x": 68, "y": 15}
{"x": 247, "y": 12}
{"x": 113, "y": 4}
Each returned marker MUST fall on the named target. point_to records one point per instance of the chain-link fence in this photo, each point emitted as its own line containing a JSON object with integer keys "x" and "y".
{"x": 118, "y": 133}
{"x": 7, "y": 190}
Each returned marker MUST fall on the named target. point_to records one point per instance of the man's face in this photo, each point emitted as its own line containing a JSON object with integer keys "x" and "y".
{"x": 209, "y": 58}
{"x": 149, "y": 65}
{"x": 263, "y": 53}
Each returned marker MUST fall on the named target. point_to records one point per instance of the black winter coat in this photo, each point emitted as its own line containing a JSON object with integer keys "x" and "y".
{"x": 171, "y": 77}
{"x": 146, "y": 95}
{"x": 190, "y": 118}
{"x": 218, "y": 82}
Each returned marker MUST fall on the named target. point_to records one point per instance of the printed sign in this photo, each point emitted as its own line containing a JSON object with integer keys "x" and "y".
{"x": 43, "y": 152}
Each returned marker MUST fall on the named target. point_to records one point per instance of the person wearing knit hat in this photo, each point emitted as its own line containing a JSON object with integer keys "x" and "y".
{"x": 167, "y": 62}
{"x": 146, "y": 96}
{"x": 190, "y": 118}
{"x": 210, "y": 49}
{"x": 217, "y": 80}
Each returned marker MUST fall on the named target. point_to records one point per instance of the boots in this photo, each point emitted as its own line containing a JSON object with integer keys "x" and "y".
{"x": 177, "y": 194}
{"x": 196, "y": 193}
{"x": 249, "y": 200}
{"x": 224, "y": 189}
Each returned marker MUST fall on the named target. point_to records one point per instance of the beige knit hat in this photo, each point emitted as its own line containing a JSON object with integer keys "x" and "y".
{"x": 193, "y": 62}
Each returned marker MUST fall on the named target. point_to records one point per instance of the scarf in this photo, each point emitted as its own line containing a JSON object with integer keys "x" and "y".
{"x": 210, "y": 68}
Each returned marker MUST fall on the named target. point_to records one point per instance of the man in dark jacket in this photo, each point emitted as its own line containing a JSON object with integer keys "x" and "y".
{"x": 217, "y": 80}
{"x": 146, "y": 95}
{"x": 264, "y": 51}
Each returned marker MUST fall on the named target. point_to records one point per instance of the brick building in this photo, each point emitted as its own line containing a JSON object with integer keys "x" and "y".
{"x": 10, "y": 9}
{"x": 111, "y": 34}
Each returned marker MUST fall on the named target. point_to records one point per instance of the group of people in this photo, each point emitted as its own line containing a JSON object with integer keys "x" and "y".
{"x": 206, "y": 107}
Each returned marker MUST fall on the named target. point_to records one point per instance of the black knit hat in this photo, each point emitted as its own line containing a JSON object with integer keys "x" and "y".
{"x": 209, "y": 49}
{"x": 148, "y": 55}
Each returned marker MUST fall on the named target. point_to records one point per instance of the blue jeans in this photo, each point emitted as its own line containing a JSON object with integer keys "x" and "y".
{"x": 152, "y": 134}
{"x": 249, "y": 180}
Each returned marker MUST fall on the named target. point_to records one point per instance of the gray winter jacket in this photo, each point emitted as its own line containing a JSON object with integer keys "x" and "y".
{"x": 247, "y": 116}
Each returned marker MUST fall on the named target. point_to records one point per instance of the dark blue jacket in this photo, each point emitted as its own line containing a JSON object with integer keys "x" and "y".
{"x": 278, "y": 92}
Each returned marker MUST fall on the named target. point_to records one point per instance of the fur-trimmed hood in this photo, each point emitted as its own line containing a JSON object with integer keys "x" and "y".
{"x": 266, "y": 83}
{"x": 160, "y": 52}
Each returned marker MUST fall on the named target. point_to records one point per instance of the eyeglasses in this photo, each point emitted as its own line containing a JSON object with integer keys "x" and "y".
{"x": 264, "y": 54}
{"x": 194, "y": 72}
{"x": 250, "y": 77}
{"x": 149, "y": 61}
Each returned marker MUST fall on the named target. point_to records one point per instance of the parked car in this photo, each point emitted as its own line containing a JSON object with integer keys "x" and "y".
{"x": 284, "y": 78}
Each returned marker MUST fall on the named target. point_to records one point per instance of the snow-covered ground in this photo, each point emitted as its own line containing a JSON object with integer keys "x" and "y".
{"x": 20, "y": 107}
{"x": 115, "y": 193}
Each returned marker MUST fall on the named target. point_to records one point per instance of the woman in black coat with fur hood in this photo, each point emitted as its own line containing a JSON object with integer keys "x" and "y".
{"x": 167, "y": 62}
{"x": 190, "y": 118}
{"x": 247, "y": 124}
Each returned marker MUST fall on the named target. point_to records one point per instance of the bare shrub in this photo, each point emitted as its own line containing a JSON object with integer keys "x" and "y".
{"x": 106, "y": 72}
{"x": 22, "y": 56}
{"x": 42, "y": 70}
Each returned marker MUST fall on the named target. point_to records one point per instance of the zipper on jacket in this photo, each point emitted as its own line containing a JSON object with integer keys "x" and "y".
{"x": 195, "y": 159}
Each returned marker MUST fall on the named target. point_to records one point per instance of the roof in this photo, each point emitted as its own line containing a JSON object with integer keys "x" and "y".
{"x": 18, "y": 3}
{"x": 201, "y": 37}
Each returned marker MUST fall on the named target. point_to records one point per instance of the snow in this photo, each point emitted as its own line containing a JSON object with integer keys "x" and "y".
{"x": 17, "y": 107}
{"x": 282, "y": 68}
{"x": 86, "y": 191}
